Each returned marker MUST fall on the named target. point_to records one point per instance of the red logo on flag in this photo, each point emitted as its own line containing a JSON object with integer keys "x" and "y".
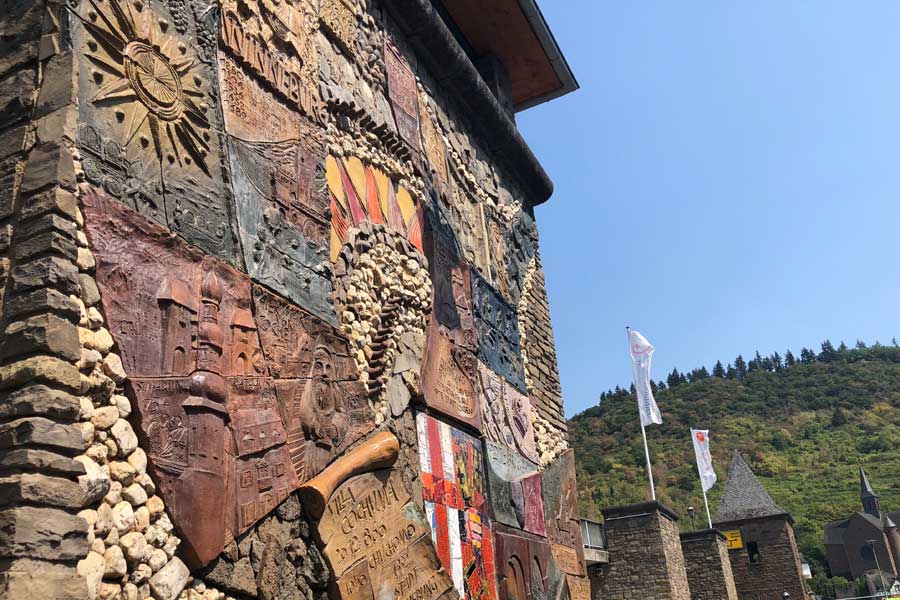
{"x": 700, "y": 437}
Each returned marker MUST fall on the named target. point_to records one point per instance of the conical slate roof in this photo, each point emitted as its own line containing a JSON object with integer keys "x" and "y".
{"x": 745, "y": 497}
{"x": 865, "y": 488}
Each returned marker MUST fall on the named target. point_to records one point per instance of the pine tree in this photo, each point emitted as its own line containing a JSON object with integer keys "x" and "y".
{"x": 894, "y": 342}
{"x": 718, "y": 369}
{"x": 661, "y": 384}
{"x": 741, "y": 367}
{"x": 776, "y": 362}
{"x": 789, "y": 359}
{"x": 842, "y": 349}
{"x": 730, "y": 373}
{"x": 838, "y": 417}
{"x": 860, "y": 345}
{"x": 807, "y": 355}
{"x": 767, "y": 364}
{"x": 674, "y": 378}
{"x": 828, "y": 353}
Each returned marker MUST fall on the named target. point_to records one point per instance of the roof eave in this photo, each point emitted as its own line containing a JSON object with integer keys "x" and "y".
{"x": 554, "y": 54}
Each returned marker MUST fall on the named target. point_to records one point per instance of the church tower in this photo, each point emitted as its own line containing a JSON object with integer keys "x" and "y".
{"x": 870, "y": 501}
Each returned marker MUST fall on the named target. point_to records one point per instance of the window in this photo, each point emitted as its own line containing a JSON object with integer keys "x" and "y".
{"x": 753, "y": 551}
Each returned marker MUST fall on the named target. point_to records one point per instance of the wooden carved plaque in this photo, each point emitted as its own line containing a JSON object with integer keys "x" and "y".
{"x": 579, "y": 588}
{"x": 506, "y": 415}
{"x": 369, "y": 519}
{"x": 377, "y": 541}
{"x": 403, "y": 94}
{"x": 561, "y": 513}
{"x": 415, "y": 574}
{"x": 497, "y": 325}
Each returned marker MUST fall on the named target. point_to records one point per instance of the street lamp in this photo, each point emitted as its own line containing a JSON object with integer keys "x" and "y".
{"x": 692, "y": 512}
{"x": 871, "y": 544}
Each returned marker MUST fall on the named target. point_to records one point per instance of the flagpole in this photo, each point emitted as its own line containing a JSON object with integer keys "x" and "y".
{"x": 637, "y": 393}
{"x": 647, "y": 455}
{"x": 706, "y": 502}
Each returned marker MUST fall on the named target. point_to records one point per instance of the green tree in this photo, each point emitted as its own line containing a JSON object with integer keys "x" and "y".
{"x": 740, "y": 367}
{"x": 718, "y": 369}
{"x": 789, "y": 359}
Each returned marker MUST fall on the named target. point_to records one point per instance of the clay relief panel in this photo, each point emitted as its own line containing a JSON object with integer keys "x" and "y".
{"x": 449, "y": 366}
{"x": 240, "y": 395}
{"x": 276, "y": 155}
{"x": 525, "y": 568}
{"x": 149, "y": 121}
{"x": 506, "y": 415}
{"x": 324, "y": 405}
{"x": 401, "y": 85}
{"x": 281, "y": 224}
{"x": 205, "y": 403}
{"x": 454, "y": 488}
{"x": 377, "y": 542}
{"x": 433, "y": 144}
{"x": 497, "y": 325}
{"x": 561, "y": 512}
{"x": 515, "y": 484}
{"x": 274, "y": 41}
{"x": 513, "y": 243}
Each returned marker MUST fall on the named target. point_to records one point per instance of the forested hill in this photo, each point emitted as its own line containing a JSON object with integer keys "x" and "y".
{"x": 804, "y": 424}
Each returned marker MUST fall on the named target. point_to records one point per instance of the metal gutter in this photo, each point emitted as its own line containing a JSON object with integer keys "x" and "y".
{"x": 440, "y": 52}
{"x": 548, "y": 41}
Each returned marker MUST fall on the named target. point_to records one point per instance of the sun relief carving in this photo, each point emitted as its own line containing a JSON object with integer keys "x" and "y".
{"x": 150, "y": 79}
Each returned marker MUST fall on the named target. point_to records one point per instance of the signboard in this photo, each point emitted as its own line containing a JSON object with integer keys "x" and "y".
{"x": 733, "y": 539}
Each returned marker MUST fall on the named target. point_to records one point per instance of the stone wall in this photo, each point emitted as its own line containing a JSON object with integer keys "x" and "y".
{"x": 777, "y": 569}
{"x": 645, "y": 558}
{"x": 708, "y": 567}
{"x": 261, "y": 271}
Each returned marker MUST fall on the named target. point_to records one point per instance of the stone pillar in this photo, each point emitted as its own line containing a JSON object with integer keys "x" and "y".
{"x": 645, "y": 559}
{"x": 707, "y": 564}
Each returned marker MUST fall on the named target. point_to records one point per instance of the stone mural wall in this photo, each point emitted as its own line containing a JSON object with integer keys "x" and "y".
{"x": 275, "y": 324}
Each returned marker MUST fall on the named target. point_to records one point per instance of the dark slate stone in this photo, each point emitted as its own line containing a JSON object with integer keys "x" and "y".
{"x": 497, "y": 325}
{"x": 745, "y": 497}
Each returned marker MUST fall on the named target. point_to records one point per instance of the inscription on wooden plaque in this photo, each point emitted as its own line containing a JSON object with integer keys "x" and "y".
{"x": 377, "y": 541}
{"x": 402, "y": 91}
{"x": 579, "y": 588}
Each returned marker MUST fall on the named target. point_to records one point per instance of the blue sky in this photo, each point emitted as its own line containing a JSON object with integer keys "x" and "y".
{"x": 727, "y": 180}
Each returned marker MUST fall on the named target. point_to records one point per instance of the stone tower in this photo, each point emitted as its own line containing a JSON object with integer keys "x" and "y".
{"x": 762, "y": 548}
{"x": 870, "y": 501}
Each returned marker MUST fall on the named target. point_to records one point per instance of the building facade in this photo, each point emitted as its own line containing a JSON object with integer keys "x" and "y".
{"x": 274, "y": 317}
{"x": 868, "y": 541}
{"x": 765, "y": 561}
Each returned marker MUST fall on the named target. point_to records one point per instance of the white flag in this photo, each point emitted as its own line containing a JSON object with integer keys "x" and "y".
{"x": 704, "y": 458}
{"x": 641, "y": 353}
